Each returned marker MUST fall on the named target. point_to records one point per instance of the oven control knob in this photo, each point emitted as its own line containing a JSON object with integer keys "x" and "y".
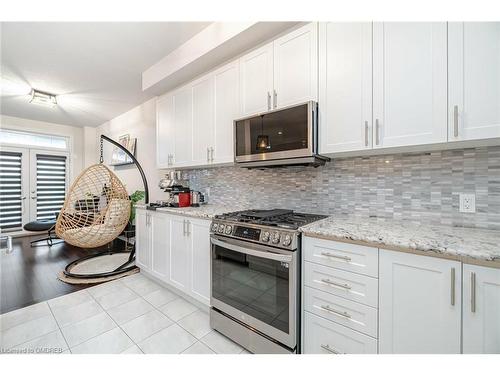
{"x": 276, "y": 238}
{"x": 229, "y": 229}
{"x": 214, "y": 227}
{"x": 221, "y": 228}
{"x": 287, "y": 240}
{"x": 265, "y": 236}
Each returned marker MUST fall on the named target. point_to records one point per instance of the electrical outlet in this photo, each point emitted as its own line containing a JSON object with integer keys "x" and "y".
{"x": 467, "y": 203}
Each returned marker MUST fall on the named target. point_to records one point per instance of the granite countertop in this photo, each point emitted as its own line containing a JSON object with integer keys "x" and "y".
{"x": 468, "y": 245}
{"x": 205, "y": 211}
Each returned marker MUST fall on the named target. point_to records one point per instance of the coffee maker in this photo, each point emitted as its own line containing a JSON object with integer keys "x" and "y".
{"x": 178, "y": 192}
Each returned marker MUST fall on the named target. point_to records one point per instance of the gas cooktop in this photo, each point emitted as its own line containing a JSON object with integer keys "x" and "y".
{"x": 277, "y": 228}
{"x": 286, "y": 219}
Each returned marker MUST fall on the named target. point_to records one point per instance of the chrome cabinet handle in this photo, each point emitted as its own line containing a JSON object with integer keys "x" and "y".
{"x": 183, "y": 227}
{"x": 336, "y": 312}
{"x": 333, "y": 283}
{"x": 330, "y": 255}
{"x": 452, "y": 287}
{"x": 377, "y": 131}
{"x": 212, "y": 154}
{"x": 208, "y": 154}
{"x": 188, "y": 232}
{"x": 455, "y": 121}
{"x": 366, "y": 133}
{"x": 268, "y": 100}
{"x": 473, "y": 292}
{"x": 328, "y": 349}
{"x": 275, "y": 98}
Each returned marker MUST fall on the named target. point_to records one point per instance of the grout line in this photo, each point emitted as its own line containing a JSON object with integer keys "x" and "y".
{"x": 58, "y": 326}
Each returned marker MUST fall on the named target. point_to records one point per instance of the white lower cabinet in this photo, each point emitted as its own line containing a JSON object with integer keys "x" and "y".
{"x": 481, "y": 310}
{"x": 199, "y": 237}
{"x": 340, "y": 308}
{"x": 326, "y": 337}
{"x": 160, "y": 245}
{"x": 179, "y": 254}
{"x": 420, "y": 304}
{"x": 176, "y": 250}
{"x": 143, "y": 240}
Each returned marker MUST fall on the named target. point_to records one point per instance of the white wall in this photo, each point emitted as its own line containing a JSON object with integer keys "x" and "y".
{"x": 75, "y": 135}
{"x": 140, "y": 123}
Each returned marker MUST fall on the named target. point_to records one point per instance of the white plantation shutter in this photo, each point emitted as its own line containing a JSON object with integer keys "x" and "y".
{"x": 10, "y": 191}
{"x": 50, "y": 185}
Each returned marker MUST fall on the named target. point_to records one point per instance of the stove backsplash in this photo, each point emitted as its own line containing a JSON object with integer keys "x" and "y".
{"x": 422, "y": 188}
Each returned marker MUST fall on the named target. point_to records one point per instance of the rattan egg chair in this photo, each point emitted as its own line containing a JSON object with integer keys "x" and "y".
{"x": 95, "y": 212}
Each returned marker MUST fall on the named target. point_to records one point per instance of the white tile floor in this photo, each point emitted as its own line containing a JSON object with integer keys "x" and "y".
{"x": 131, "y": 315}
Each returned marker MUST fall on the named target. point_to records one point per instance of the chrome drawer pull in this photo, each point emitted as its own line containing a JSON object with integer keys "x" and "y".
{"x": 333, "y": 311}
{"x": 333, "y": 283}
{"x": 328, "y": 349}
{"x": 473, "y": 292}
{"x": 330, "y": 255}
{"x": 452, "y": 289}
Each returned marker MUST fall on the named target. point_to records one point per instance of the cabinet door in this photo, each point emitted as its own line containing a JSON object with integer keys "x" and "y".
{"x": 296, "y": 66}
{"x": 481, "y": 320}
{"x": 345, "y": 98}
{"x": 420, "y": 304}
{"x": 409, "y": 83}
{"x": 183, "y": 126}
{"x": 227, "y": 94}
{"x": 179, "y": 253}
{"x": 474, "y": 80}
{"x": 160, "y": 245}
{"x": 199, "y": 235}
{"x": 164, "y": 130}
{"x": 143, "y": 237}
{"x": 203, "y": 120}
{"x": 256, "y": 80}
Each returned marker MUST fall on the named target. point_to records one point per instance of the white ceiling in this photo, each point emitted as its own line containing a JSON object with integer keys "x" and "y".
{"x": 93, "y": 68}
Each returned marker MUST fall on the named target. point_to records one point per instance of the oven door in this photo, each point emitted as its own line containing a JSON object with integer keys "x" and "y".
{"x": 256, "y": 285}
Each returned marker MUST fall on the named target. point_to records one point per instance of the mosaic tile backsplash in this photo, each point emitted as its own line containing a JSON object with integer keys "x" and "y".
{"x": 421, "y": 187}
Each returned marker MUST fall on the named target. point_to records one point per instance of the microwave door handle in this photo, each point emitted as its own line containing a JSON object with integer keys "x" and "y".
{"x": 248, "y": 251}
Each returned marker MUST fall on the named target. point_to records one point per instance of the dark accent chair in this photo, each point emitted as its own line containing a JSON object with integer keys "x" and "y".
{"x": 48, "y": 226}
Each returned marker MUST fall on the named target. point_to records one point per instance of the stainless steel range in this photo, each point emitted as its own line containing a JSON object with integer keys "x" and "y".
{"x": 255, "y": 278}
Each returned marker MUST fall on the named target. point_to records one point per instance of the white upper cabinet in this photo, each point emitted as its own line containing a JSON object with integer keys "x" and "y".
{"x": 203, "y": 120}
{"x": 345, "y": 97}
{"x": 227, "y": 92}
{"x": 481, "y": 310}
{"x": 296, "y": 67}
{"x": 256, "y": 80}
{"x": 164, "y": 130}
{"x": 183, "y": 131}
{"x": 474, "y": 80}
{"x": 281, "y": 73}
{"x": 409, "y": 83}
{"x": 419, "y": 304}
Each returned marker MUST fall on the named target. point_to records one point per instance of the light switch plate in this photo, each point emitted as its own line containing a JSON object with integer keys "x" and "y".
{"x": 467, "y": 203}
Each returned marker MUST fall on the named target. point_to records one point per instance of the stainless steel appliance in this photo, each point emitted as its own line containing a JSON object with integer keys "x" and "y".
{"x": 255, "y": 278}
{"x": 280, "y": 137}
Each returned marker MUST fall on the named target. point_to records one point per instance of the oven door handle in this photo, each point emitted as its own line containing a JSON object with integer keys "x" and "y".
{"x": 257, "y": 253}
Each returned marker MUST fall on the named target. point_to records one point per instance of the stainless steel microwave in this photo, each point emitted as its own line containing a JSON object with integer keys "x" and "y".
{"x": 283, "y": 136}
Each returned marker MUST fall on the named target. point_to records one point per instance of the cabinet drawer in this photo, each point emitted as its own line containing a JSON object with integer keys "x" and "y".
{"x": 324, "y": 337}
{"x": 354, "y": 287}
{"x": 340, "y": 310}
{"x": 345, "y": 256}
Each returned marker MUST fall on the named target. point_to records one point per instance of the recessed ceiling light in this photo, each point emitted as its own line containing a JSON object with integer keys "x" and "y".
{"x": 43, "y": 98}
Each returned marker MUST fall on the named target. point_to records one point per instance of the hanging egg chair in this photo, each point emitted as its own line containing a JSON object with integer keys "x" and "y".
{"x": 95, "y": 212}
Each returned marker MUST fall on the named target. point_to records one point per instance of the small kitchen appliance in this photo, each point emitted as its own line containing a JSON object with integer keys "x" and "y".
{"x": 255, "y": 278}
